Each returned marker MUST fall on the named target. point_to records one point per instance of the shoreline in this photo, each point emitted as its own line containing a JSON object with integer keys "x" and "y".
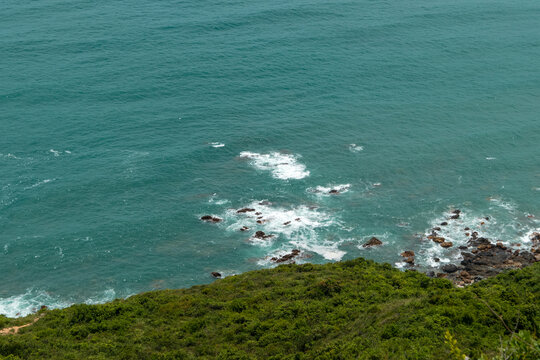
{"x": 482, "y": 259}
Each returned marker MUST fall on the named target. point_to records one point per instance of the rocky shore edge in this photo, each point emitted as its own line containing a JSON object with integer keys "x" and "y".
{"x": 481, "y": 259}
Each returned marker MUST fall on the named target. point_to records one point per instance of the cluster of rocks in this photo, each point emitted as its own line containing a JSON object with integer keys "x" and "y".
{"x": 483, "y": 259}
{"x": 409, "y": 257}
{"x": 435, "y": 237}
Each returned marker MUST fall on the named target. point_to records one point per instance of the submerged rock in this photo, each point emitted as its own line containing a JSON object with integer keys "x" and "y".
{"x": 216, "y": 275}
{"x": 210, "y": 218}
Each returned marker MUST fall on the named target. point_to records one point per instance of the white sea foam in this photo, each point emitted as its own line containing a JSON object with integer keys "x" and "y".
{"x": 213, "y": 200}
{"x": 29, "y": 302}
{"x": 10, "y": 156}
{"x": 355, "y": 148}
{"x": 502, "y": 222}
{"x": 55, "y": 152}
{"x": 292, "y": 227}
{"x": 282, "y": 166}
{"x": 217, "y": 144}
{"x": 325, "y": 190}
{"x": 491, "y": 158}
{"x": 39, "y": 183}
{"x": 105, "y": 296}
{"x": 32, "y": 300}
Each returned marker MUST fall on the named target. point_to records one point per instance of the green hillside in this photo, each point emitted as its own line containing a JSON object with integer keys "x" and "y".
{"x": 346, "y": 310}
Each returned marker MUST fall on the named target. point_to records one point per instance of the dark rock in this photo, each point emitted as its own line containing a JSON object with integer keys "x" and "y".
{"x": 258, "y": 213}
{"x": 447, "y": 244}
{"x": 467, "y": 229}
{"x": 286, "y": 257}
{"x": 408, "y": 253}
{"x": 487, "y": 218}
{"x": 535, "y": 237}
{"x": 216, "y": 275}
{"x": 444, "y": 223}
{"x": 244, "y": 228}
{"x": 245, "y": 210}
{"x": 261, "y": 235}
{"x": 463, "y": 247}
{"x": 333, "y": 191}
{"x": 436, "y": 259}
{"x": 265, "y": 202}
{"x": 450, "y": 268}
{"x": 373, "y": 242}
{"x": 210, "y": 218}
{"x": 286, "y": 223}
{"x": 453, "y": 217}
{"x": 457, "y": 212}
{"x": 437, "y": 228}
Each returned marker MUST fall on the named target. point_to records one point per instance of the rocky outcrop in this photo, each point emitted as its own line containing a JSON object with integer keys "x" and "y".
{"x": 484, "y": 259}
{"x": 287, "y": 257}
{"x": 373, "y": 242}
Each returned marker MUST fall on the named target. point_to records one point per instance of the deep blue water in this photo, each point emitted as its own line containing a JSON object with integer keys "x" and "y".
{"x": 113, "y": 113}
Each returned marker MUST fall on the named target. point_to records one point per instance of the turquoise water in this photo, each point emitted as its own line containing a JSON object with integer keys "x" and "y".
{"x": 113, "y": 116}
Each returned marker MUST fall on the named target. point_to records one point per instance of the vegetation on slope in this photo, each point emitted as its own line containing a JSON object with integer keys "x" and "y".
{"x": 347, "y": 310}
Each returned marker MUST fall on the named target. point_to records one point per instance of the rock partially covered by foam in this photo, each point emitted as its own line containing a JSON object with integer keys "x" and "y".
{"x": 286, "y": 257}
{"x": 262, "y": 235}
{"x": 373, "y": 242}
{"x": 210, "y": 218}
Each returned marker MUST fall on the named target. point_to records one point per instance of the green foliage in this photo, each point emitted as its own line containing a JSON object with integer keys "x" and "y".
{"x": 349, "y": 310}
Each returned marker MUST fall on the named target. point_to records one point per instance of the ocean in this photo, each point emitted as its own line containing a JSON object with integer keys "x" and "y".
{"x": 122, "y": 123}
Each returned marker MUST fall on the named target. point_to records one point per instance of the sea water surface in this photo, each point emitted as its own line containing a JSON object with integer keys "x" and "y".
{"x": 123, "y": 122}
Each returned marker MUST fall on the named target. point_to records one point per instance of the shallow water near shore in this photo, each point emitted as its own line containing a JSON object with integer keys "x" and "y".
{"x": 123, "y": 123}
